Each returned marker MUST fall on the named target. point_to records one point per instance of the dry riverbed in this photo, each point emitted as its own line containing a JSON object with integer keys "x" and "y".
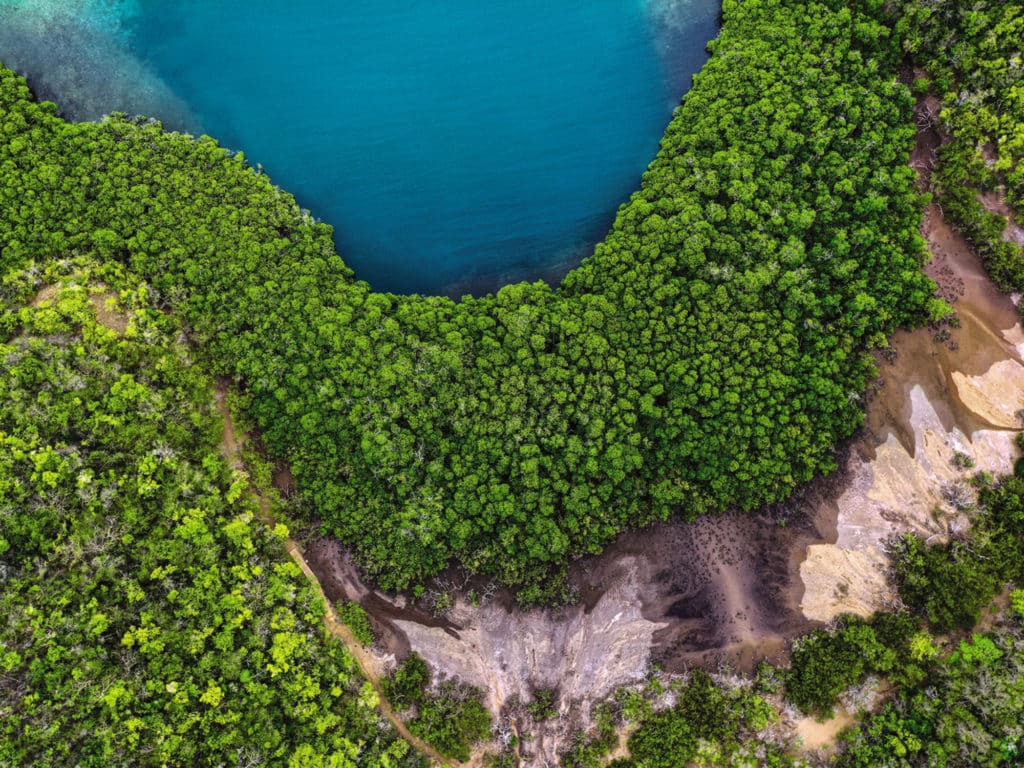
{"x": 939, "y": 398}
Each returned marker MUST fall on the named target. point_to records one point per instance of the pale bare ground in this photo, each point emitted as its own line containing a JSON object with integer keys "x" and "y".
{"x": 940, "y": 398}
{"x": 957, "y": 393}
{"x": 585, "y": 654}
{"x": 721, "y": 591}
{"x": 817, "y": 735}
{"x": 104, "y": 303}
{"x": 46, "y": 293}
{"x": 582, "y": 653}
{"x": 109, "y": 314}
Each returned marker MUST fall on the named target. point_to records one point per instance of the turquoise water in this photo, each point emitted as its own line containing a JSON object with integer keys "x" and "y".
{"x": 455, "y": 145}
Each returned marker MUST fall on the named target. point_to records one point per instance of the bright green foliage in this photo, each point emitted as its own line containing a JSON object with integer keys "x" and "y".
{"x": 972, "y": 49}
{"x": 921, "y": 647}
{"x": 707, "y": 725}
{"x": 355, "y": 618}
{"x": 450, "y": 716}
{"x": 1017, "y": 602}
{"x": 589, "y": 750}
{"x": 826, "y": 664}
{"x": 979, "y": 652}
{"x": 542, "y": 707}
{"x": 969, "y": 712}
{"x": 709, "y": 354}
{"x": 147, "y": 619}
{"x": 950, "y": 584}
{"x": 664, "y": 741}
{"x": 407, "y": 685}
{"x": 968, "y": 709}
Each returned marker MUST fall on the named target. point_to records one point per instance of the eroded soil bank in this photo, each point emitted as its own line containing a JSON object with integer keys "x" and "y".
{"x": 735, "y": 589}
{"x": 723, "y": 590}
{"x": 946, "y": 398}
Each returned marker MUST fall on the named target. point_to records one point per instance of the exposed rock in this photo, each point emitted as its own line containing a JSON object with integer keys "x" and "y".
{"x": 584, "y": 653}
{"x": 737, "y": 588}
{"x": 734, "y": 589}
{"x": 995, "y": 397}
{"x": 942, "y": 397}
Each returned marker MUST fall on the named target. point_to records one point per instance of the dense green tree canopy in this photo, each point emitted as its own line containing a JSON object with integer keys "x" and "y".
{"x": 709, "y": 353}
{"x": 147, "y": 618}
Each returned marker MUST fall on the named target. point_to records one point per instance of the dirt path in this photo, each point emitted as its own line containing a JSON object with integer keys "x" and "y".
{"x": 231, "y": 444}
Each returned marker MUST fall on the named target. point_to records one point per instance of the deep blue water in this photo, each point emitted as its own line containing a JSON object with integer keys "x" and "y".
{"x": 455, "y": 145}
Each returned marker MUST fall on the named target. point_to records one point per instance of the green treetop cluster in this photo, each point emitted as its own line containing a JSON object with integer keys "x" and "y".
{"x": 449, "y": 715}
{"x": 709, "y": 354}
{"x": 965, "y": 709}
{"x": 147, "y": 618}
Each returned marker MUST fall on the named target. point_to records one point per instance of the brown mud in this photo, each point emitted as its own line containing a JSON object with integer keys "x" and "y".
{"x": 341, "y": 581}
{"x": 820, "y": 736}
{"x": 725, "y": 590}
{"x": 735, "y": 589}
{"x": 108, "y": 312}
